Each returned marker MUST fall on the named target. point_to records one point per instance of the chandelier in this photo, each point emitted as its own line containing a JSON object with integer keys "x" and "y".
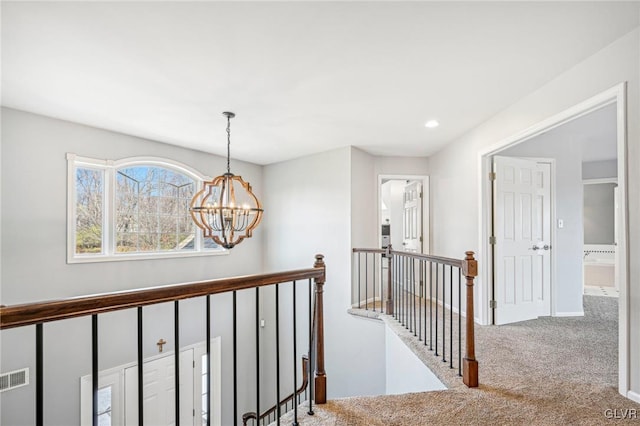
{"x": 225, "y": 208}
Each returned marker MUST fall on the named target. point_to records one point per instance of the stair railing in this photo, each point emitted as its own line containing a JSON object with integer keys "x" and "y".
{"x": 423, "y": 293}
{"x": 40, "y": 313}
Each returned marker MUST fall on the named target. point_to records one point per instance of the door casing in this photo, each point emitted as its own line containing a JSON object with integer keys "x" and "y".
{"x": 616, "y": 95}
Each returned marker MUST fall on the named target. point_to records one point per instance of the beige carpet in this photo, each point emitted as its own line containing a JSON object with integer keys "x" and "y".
{"x": 550, "y": 371}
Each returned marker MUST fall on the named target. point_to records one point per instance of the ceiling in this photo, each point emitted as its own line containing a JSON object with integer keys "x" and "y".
{"x": 302, "y": 77}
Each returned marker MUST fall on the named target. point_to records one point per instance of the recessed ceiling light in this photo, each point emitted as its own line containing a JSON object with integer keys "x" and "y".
{"x": 431, "y": 124}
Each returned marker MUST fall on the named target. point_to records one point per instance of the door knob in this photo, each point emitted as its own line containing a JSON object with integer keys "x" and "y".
{"x": 534, "y": 248}
{"x": 546, "y": 247}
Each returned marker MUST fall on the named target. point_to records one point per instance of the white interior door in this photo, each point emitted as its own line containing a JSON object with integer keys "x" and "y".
{"x": 412, "y": 219}
{"x": 159, "y": 391}
{"x": 522, "y": 230}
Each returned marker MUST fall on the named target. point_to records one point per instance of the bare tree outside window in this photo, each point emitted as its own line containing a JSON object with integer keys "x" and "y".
{"x": 89, "y": 204}
{"x": 152, "y": 210}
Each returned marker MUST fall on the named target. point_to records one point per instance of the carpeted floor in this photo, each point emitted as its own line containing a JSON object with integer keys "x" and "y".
{"x": 550, "y": 371}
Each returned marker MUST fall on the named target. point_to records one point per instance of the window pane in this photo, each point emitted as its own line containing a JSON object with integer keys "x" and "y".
{"x": 104, "y": 406}
{"x": 89, "y": 203}
{"x": 127, "y": 242}
{"x": 152, "y": 205}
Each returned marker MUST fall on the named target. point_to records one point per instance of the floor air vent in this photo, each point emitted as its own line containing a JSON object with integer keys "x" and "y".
{"x": 14, "y": 379}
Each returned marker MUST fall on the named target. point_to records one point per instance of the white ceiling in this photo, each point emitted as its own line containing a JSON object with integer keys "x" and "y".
{"x": 302, "y": 77}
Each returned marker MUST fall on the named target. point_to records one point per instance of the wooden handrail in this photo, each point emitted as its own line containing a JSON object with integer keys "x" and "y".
{"x": 305, "y": 382}
{"x": 54, "y": 310}
{"x": 365, "y": 250}
{"x": 438, "y": 259}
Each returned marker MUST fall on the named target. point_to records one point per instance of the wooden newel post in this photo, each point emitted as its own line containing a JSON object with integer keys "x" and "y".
{"x": 389, "y": 304}
{"x": 321, "y": 377}
{"x": 470, "y": 365}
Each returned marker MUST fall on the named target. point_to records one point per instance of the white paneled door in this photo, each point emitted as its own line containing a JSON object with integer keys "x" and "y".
{"x": 412, "y": 219}
{"x": 522, "y": 230}
{"x": 159, "y": 391}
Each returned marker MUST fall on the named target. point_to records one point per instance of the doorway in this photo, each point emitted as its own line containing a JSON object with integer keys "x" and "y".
{"x": 403, "y": 215}
{"x": 118, "y": 390}
{"x": 600, "y": 228}
{"x": 614, "y": 98}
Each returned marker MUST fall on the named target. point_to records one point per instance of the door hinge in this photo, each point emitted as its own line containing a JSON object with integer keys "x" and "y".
{"x": 194, "y": 412}
{"x": 492, "y": 240}
{"x": 492, "y": 175}
{"x": 420, "y": 239}
{"x": 194, "y": 364}
{"x": 493, "y": 304}
{"x": 421, "y": 193}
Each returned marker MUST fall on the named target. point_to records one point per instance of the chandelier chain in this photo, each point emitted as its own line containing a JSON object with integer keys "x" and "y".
{"x": 228, "y": 143}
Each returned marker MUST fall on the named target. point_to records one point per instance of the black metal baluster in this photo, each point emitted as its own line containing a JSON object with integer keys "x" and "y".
{"x": 405, "y": 301}
{"x": 373, "y": 287}
{"x": 235, "y": 360}
{"x": 208, "y": 360}
{"x": 401, "y": 295}
{"x": 359, "y": 278}
{"x": 176, "y": 337}
{"x": 295, "y": 357}
{"x": 430, "y": 306}
{"x": 310, "y": 361}
{"x": 398, "y": 299}
{"x": 382, "y": 275}
{"x": 94, "y": 368}
{"x": 39, "y": 375}
{"x": 258, "y": 354}
{"x": 409, "y": 292}
{"x": 444, "y": 321}
{"x": 459, "y": 323}
{"x": 451, "y": 315}
{"x": 278, "y": 414}
{"x": 407, "y": 307}
{"x": 420, "y": 288}
{"x": 426, "y": 280}
{"x": 413, "y": 296}
{"x": 140, "y": 371}
{"x": 366, "y": 281}
{"x": 395, "y": 286}
{"x": 436, "y": 325}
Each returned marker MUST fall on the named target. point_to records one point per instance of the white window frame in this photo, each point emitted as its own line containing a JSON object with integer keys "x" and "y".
{"x": 109, "y": 168}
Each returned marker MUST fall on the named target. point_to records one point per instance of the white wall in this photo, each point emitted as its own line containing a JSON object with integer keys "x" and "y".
{"x": 313, "y": 215}
{"x": 418, "y": 166}
{"x": 455, "y": 170}
{"x": 600, "y": 169}
{"x": 364, "y": 219}
{"x": 404, "y": 371}
{"x": 567, "y": 287}
{"x": 34, "y": 182}
{"x": 599, "y": 213}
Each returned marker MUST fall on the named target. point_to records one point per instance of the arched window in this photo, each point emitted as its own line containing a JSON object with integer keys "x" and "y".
{"x": 134, "y": 208}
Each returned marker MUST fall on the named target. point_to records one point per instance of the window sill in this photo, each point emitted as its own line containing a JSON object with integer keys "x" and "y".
{"x": 141, "y": 256}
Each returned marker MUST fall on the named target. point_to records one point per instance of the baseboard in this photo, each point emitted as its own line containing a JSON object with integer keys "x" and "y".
{"x": 569, "y": 314}
{"x": 634, "y": 396}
